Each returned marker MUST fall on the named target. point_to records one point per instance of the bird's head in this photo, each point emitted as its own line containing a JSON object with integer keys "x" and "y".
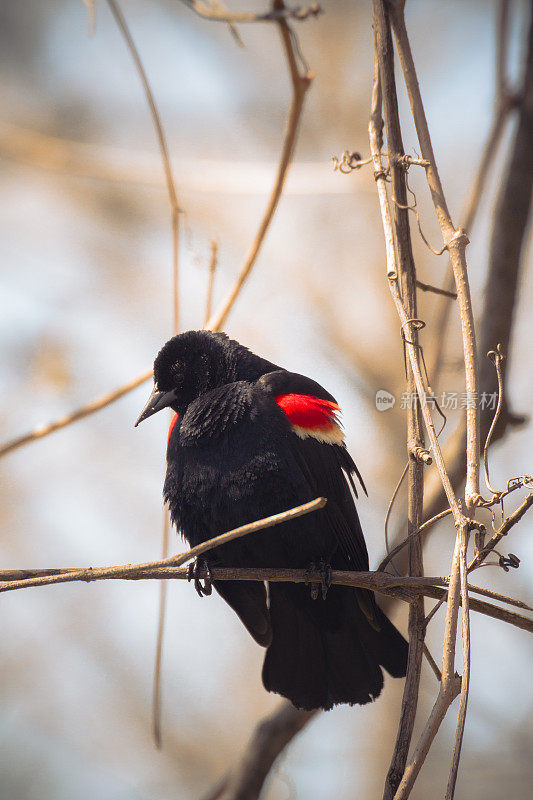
{"x": 191, "y": 364}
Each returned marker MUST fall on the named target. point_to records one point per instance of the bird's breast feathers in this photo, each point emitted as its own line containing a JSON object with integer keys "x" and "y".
{"x": 312, "y": 416}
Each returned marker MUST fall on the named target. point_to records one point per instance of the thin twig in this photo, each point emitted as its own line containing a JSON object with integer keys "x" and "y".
{"x": 161, "y": 138}
{"x": 182, "y": 558}
{"x": 414, "y": 211}
{"x": 215, "y": 12}
{"x": 427, "y": 287}
{"x": 210, "y": 281}
{"x": 467, "y": 220}
{"x": 450, "y": 682}
{"x": 465, "y": 679}
{"x": 502, "y": 531}
{"x": 300, "y": 85}
{"x": 502, "y": 47}
{"x": 156, "y": 686}
{"x": 432, "y": 663}
{"x": 83, "y": 411}
{"x": 434, "y": 610}
{"x": 422, "y": 529}
{"x": 496, "y": 356}
{"x": 390, "y": 554}
{"x": 407, "y": 327}
{"x": 502, "y": 598}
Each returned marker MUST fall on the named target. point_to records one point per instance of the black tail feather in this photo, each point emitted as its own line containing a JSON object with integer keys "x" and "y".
{"x": 386, "y": 645}
{"x": 325, "y": 652}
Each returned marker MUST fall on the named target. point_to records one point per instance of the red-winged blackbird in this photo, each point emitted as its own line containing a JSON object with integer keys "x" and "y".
{"x": 249, "y": 440}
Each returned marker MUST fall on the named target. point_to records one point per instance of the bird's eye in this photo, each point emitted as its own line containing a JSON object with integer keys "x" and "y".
{"x": 177, "y": 375}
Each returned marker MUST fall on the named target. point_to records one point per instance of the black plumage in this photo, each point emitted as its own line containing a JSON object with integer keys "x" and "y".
{"x": 236, "y": 454}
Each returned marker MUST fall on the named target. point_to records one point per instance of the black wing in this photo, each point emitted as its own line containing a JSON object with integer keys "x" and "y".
{"x": 322, "y": 457}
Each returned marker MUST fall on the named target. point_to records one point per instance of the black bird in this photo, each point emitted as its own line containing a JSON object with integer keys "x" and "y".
{"x": 248, "y": 440}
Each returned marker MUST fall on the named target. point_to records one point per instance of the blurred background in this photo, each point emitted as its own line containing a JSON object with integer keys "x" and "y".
{"x": 85, "y": 251}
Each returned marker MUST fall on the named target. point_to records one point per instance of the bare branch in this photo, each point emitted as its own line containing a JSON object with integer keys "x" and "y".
{"x": 455, "y": 241}
{"x": 300, "y": 85}
{"x": 505, "y": 102}
{"x": 496, "y": 356}
{"x": 422, "y": 529}
{"x": 426, "y": 287}
{"x": 84, "y": 411}
{"x": 502, "y": 598}
{"x": 161, "y": 138}
{"x": 449, "y": 686}
{"x": 438, "y": 713}
{"x": 390, "y": 555}
{"x": 509, "y": 235}
{"x": 176, "y": 561}
{"x": 465, "y": 679}
{"x": 210, "y": 283}
{"x": 272, "y": 734}
{"x": 502, "y": 47}
{"x": 401, "y": 588}
{"x": 502, "y": 531}
{"x": 214, "y": 10}
{"x": 384, "y": 73}
{"x": 156, "y": 685}
{"x": 365, "y": 580}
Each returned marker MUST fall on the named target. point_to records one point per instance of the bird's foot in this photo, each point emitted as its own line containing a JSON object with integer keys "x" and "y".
{"x": 195, "y": 568}
{"x": 314, "y": 586}
{"x": 324, "y": 570}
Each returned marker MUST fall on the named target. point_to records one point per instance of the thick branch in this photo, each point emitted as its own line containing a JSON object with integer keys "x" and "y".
{"x": 505, "y": 103}
{"x": 509, "y": 234}
{"x": 384, "y": 59}
{"x": 402, "y": 588}
{"x": 455, "y": 240}
{"x": 272, "y": 734}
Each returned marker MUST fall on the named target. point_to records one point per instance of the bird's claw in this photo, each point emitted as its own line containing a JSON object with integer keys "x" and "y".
{"x": 193, "y": 573}
{"x": 324, "y": 570}
{"x": 314, "y": 587}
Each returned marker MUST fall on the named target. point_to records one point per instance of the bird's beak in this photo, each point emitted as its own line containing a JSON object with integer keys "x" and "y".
{"x": 156, "y": 402}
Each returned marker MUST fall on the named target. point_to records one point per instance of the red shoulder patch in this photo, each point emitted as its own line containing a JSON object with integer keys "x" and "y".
{"x": 312, "y": 416}
{"x": 172, "y": 423}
